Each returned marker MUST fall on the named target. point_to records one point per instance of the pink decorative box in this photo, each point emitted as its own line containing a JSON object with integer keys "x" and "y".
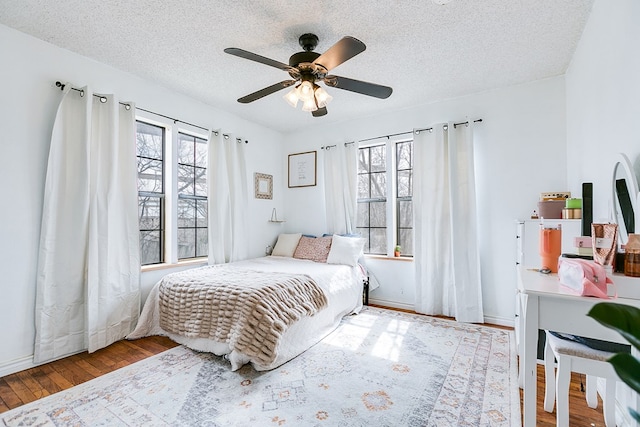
{"x": 582, "y": 242}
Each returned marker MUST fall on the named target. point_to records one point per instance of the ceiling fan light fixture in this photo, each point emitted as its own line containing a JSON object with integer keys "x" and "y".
{"x": 309, "y": 105}
{"x": 322, "y": 97}
{"x": 292, "y": 97}
{"x": 305, "y": 91}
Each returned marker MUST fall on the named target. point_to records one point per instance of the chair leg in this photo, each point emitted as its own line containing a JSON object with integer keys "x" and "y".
{"x": 549, "y": 378}
{"x": 563, "y": 378}
{"x": 609, "y": 403}
{"x": 592, "y": 391}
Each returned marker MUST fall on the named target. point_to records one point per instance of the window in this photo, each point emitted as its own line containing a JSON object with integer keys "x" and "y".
{"x": 404, "y": 193}
{"x": 372, "y": 198}
{"x": 172, "y": 193}
{"x": 385, "y": 190}
{"x": 192, "y": 197}
{"x": 150, "y": 142}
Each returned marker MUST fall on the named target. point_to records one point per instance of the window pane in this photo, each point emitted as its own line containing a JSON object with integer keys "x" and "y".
{"x": 201, "y": 213}
{"x": 406, "y": 241}
{"x": 186, "y": 243}
{"x": 363, "y": 160}
{"x": 378, "y": 241}
{"x": 201, "y": 152}
{"x": 364, "y": 232}
{"x": 149, "y": 213}
{"x": 186, "y": 213}
{"x": 185, "y": 180}
{"x": 362, "y": 216}
{"x": 150, "y": 247}
{"x": 363, "y": 186}
{"x": 201, "y": 182}
{"x": 378, "y": 214}
{"x": 149, "y": 175}
{"x": 185, "y": 149}
{"x": 378, "y": 185}
{"x": 149, "y": 139}
{"x": 378, "y": 158}
{"x": 405, "y": 183}
{"x": 404, "y": 155}
{"x": 202, "y": 248}
{"x": 405, "y": 214}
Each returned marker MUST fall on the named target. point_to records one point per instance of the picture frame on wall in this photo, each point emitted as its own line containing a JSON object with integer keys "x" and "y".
{"x": 263, "y": 185}
{"x": 302, "y": 169}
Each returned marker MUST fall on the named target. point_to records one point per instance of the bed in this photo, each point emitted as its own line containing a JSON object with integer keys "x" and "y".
{"x": 304, "y": 304}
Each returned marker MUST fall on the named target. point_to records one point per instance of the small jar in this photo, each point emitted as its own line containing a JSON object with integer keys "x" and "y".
{"x": 632, "y": 256}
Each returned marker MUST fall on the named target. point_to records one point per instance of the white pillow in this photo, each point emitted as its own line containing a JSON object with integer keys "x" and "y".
{"x": 286, "y": 244}
{"x": 345, "y": 250}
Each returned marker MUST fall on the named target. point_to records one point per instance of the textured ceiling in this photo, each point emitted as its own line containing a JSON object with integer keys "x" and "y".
{"x": 425, "y": 51}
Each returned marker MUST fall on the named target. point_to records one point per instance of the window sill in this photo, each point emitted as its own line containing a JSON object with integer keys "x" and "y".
{"x": 167, "y": 266}
{"x": 389, "y": 258}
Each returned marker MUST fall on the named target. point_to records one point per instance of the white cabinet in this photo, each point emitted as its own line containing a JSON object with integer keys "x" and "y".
{"x": 527, "y": 239}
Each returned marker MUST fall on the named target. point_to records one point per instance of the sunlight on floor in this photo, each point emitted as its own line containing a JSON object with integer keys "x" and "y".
{"x": 387, "y": 345}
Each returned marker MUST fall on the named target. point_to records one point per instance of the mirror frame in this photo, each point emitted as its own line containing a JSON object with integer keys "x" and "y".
{"x": 632, "y": 186}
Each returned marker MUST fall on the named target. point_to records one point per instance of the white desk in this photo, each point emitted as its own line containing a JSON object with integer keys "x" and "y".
{"x": 545, "y": 306}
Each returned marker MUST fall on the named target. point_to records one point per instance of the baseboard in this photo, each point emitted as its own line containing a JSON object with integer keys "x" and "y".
{"x": 16, "y": 365}
{"x": 392, "y": 304}
{"x": 500, "y": 321}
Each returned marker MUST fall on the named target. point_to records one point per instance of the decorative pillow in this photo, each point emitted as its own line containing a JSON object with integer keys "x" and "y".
{"x": 286, "y": 244}
{"x": 314, "y": 249}
{"x": 345, "y": 250}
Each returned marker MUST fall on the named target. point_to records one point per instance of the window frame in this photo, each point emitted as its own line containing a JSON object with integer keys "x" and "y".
{"x": 392, "y": 207}
{"x": 170, "y": 181}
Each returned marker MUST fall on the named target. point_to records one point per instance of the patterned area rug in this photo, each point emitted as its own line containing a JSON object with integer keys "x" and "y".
{"x": 379, "y": 368}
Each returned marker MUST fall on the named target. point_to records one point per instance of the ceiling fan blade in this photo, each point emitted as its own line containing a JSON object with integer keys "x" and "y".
{"x": 319, "y": 112}
{"x": 266, "y": 91}
{"x": 359, "y": 86}
{"x": 258, "y": 58}
{"x": 346, "y": 48}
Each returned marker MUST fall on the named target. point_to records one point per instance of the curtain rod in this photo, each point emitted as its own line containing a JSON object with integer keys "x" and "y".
{"x": 103, "y": 99}
{"x": 454, "y": 126}
{"x": 329, "y": 147}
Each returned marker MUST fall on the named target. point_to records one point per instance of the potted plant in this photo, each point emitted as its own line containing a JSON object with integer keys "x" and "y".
{"x": 625, "y": 320}
{"x": 396, "y": 251}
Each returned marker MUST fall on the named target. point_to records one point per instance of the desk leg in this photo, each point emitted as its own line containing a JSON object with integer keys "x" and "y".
{"x": 521, "y": 301}
{"x": 530, "y": 357}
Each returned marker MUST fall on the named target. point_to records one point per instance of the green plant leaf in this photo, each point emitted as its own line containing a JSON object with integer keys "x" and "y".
{"x": 624, "y": 319}
{"x": 627, "y": 367}
{"x": 634, "y": 414}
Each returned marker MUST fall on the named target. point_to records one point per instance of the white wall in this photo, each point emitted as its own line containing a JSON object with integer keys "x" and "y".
{"x": 28, "y": 106}
{"x": 520, "y": 152}
{"x": 603, "y": 107}
{"x": 603, "y": 98}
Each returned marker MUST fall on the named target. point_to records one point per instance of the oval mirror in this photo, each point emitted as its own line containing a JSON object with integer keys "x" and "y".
{"x": 625, "y": 198}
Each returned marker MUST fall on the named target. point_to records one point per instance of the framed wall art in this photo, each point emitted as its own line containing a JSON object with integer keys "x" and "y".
{"x": 302, "y": 169}
{"x": 263, "y": 185}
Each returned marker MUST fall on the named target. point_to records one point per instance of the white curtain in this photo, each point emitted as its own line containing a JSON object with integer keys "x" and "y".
{"x": 228, "y": 199}
{"x": 447, "y": 259}
{"x": 341, "y": 187}
{"x": 88, "y": 280}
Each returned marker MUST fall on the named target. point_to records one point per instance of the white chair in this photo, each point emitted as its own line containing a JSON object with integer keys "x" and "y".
{"x": 576, "y": 357}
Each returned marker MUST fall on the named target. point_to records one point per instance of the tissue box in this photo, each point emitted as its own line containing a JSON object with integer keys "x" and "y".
{"x": 551, "y": 209}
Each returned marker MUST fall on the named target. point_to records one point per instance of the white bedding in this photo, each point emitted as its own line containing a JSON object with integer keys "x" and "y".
{"x": 342, "y": 285}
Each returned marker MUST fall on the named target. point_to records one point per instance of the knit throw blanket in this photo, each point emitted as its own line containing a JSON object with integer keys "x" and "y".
{"x": 248, "y": 310}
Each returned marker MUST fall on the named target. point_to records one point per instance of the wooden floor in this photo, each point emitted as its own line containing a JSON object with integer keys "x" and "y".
{"x": 35, "y": 383}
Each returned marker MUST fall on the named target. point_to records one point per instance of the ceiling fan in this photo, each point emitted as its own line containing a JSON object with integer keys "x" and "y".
{"x": 307, "y": 68}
